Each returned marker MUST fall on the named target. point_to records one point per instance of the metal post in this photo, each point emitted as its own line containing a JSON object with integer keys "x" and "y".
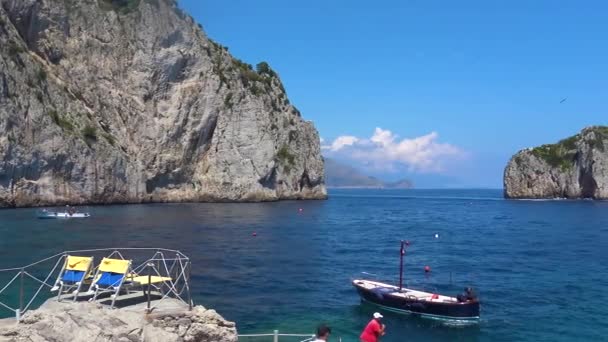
{"x": 21, "y": 289}
{"x": 276, "y": 336}
{"x": 177, "y": 269}
{"x": 158, "y": 257}
{"x": 189, "y": 270}
{"x": 150, "y": 265}
{"x": 401, "y": 254}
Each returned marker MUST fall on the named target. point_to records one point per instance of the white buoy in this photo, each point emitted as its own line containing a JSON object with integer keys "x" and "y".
{"x": 436, "y": 236}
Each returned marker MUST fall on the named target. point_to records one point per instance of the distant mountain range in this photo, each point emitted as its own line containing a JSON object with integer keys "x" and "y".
{"x": 338, "y": 175}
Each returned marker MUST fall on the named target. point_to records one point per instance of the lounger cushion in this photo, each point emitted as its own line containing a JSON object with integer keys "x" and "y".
{"x": 108, "y": 279}
{"x": 78, "y": 263}
{"x": 72, "y": 276}
{"x": 114, "y": 265}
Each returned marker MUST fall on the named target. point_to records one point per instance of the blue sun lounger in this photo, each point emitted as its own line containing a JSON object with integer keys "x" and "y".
{"x": 75, "y": 271}
{"x": 110, "y": 277}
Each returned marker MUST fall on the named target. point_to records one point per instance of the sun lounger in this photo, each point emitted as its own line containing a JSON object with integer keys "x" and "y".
{"x": 110, "y": 277}
{"x": 73, "y": 274}
{"x": 145, "y": 280}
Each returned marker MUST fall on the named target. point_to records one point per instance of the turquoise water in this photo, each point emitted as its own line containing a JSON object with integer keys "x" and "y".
{"x": 540, "y": 267}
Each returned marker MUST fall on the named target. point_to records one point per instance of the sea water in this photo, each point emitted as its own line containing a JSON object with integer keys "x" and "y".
{"x": 539, "y": 267}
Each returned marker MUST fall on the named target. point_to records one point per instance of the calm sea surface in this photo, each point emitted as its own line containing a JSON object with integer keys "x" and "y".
{"x": 540, "y": 267}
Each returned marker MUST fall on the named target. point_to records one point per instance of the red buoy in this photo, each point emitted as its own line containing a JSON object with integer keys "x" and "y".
{"x": 254, "y": 234}
{"x": 427, "y": 269}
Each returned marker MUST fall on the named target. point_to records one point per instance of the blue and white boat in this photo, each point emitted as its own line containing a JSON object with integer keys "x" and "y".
{"x": 48, "y": 214}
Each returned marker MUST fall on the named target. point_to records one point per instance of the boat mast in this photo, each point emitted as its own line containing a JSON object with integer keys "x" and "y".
{"x": 401, "y": 254}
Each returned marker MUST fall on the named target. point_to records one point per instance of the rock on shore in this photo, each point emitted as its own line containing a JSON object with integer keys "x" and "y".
{"x": 129, "y": 101}
{"x": 88, "y": 322}
{"x": 576, "y": 167}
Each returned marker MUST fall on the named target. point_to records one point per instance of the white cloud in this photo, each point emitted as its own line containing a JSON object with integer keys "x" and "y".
{"x": 341, "y": 142}
{"x": 387, "y": 152}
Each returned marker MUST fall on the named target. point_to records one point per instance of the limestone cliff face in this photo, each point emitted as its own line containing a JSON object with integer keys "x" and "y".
{"x": 576, "y": 167}
{"x": 115, "y": 101}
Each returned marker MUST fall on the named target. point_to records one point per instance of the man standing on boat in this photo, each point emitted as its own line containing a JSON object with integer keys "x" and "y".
{"x": 374, "y": 329}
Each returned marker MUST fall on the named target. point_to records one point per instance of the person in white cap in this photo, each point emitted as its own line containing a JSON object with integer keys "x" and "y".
{"x": 373, "y": 330}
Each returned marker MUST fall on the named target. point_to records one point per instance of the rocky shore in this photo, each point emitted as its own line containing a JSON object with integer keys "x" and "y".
{"x": 575, "y": 167}
{"x": 87, "y": 322}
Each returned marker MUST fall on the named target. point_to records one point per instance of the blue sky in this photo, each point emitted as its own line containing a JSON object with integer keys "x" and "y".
{"x": 486, "y": 76}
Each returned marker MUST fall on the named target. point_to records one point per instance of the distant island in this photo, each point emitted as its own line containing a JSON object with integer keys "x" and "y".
{"x": 575, "y": 167}
{"x": 338, "y": 175}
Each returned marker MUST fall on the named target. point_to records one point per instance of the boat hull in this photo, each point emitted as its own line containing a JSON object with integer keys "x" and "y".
{"x": 55, "y": 215}
{"x": 390, "y": 299}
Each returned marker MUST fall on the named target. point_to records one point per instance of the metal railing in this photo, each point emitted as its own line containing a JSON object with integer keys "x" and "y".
{"x": 23, "y": 288}
{"x": 275, "y": 336}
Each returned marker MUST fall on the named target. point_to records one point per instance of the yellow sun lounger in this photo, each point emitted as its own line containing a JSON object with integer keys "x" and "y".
{"x": 110, "y": 277}
{"x": 74, "y": 272}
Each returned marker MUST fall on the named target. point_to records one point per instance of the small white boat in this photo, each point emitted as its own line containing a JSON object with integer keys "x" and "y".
{"x": 46, "y": 214}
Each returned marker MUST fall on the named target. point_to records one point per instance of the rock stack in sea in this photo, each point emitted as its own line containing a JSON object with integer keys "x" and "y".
{"x": 129, "y": 101}
{"x": 86, "y": 322}
{"x": 576, "y": 167}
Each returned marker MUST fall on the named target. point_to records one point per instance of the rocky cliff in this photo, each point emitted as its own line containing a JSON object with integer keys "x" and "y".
{"x": 118, "y": 101}
{"x": 576, "y": 167}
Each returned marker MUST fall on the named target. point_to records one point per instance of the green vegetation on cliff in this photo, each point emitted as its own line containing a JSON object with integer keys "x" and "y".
{"x": 563, "y": 153}
{"x": 284, "y": 156}
{"x": 89, "y": 133}
{"x": 123, "y": 6}
{"x": 61, "y": 121}
{"x": 601, "y": 134}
